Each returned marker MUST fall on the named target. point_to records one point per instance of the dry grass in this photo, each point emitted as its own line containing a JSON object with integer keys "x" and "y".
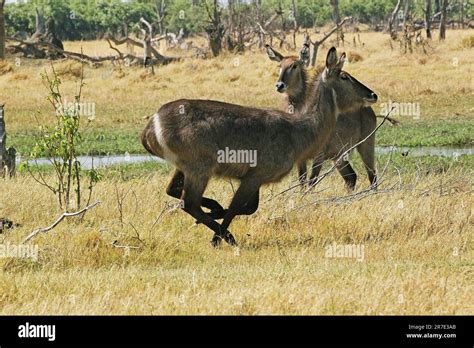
{"x": 124, "y": 95}
{"x": 5, "y": 67}
{"x": 418, "y": 249}
{"x": 418, "y": 254}
{"x": 354, "y": 57}
{"x": 467, "y": 42}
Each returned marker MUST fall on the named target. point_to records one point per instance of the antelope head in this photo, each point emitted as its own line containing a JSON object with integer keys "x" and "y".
{"x": 292, "y": 68}
{"x": 349, "y": 94}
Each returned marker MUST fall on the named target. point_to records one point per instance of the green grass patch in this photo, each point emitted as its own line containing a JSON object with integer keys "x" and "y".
{"x": 100, "y": 141}
{"x": 94, "y": 141}
{"x": 427, "y": 133}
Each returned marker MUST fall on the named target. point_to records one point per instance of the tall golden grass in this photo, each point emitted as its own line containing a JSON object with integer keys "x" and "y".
{"x": 417, "y": 257}
{"x": 150, "y": 259}
{"x": 437, "y": 80}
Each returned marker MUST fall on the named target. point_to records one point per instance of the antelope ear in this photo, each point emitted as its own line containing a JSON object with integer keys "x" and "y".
{"x": 342, "y": 60}
{"x": 272, "y": 54}
{"x": 331, "y": 59}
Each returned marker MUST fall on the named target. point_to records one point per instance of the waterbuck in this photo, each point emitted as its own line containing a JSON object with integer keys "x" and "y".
{"x": 350, "y": 128}
{"x": 189, "y": 134}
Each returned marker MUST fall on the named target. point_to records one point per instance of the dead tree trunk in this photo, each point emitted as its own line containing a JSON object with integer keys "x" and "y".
{"x": 442, "y": 24}
{"x": 318, "y": 43}
{"x": 229, "y": 39}
{"x": 161, "y": 13}
{"x": 215, "y": 29}
{"x": 294, "y": 10}
{"x": 147, "y": 36}
{"x": 40, "y": 25}
{"x": 261, "y": 31}
{"x": 428, "y": 18}
{"x": 391, "y": 21}
{"x": 336, "y": 17}
{"x": 7, "y": 157}
{"x": 2, "y": 30}
{"x": 406, "y": 12}
{"x": 3, "y": 140}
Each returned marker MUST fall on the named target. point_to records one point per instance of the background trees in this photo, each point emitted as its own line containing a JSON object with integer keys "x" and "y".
{"x": 226, "y": 23}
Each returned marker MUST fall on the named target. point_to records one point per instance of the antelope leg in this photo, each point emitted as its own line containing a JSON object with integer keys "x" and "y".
{"x": 244, "y": 202}
{"x": 348, "y": 174}
{"x": 315, "y": 170}
{"x": 192, "y": 196}
{"x": 175, "y": 189}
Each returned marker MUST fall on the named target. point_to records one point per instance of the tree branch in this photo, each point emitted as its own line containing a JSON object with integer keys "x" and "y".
{"x": 64, "y": 215}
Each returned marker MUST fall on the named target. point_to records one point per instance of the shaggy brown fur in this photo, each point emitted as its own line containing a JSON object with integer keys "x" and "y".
{"x": 189, "y": 134}
{"x": 350, "y": 127}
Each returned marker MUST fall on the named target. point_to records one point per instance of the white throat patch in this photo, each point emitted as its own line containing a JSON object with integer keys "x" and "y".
{"x": 324, "y": 75}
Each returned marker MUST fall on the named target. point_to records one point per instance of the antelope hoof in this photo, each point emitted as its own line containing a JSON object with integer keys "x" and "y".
{"x": 216, "y": 241}
{"x": 228, "y": 237}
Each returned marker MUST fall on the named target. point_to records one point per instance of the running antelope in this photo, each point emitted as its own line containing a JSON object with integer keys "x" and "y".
{"x": 190, "y": 133}
{"x": 351, "y": 127}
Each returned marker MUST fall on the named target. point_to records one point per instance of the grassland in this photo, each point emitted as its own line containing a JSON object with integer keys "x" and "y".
{"x": 416, "y": 230}
{"x": 439, "y": 81}
{"x": 417, "y": 243}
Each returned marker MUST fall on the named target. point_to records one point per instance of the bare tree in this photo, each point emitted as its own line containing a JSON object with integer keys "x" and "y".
{"x": 442, "y": 24}
{"x": 393, "y": 17}
{"x": 40, "y": 25}
{"x": 229, "y": 40}
{"x": 406, "y": 12}
{"x": 147, "y": 36}
{"x": 161, "y": 14}
{"x": 428, "y": 18}
{"x": 319, "y": 42}
{"x": 336, "y": 17}
{"x": 215, "y": 29}
{"x": 7, "y": 156}
{"x": 294, "y": 11}
{"x": 2, "y": 30}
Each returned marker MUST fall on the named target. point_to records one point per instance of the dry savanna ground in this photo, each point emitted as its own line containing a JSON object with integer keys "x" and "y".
{"x": 411, "y": 242}
{"x": 441, "y": 81}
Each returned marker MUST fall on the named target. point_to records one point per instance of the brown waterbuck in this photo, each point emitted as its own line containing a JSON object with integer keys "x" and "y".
{"x": 350, "y": 127}
{"x": 191, "y": 135}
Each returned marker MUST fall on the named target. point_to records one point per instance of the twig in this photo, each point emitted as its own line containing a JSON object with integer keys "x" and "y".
{"x": 128, "y": 247}
{"x": 320, "y": 178}
{"x": 64, "y": 215}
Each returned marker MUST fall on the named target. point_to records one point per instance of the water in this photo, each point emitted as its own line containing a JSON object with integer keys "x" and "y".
{"x": 106, "y": 161}
{"x": 103, "y": 161}
{"x": 440, "y": 151}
